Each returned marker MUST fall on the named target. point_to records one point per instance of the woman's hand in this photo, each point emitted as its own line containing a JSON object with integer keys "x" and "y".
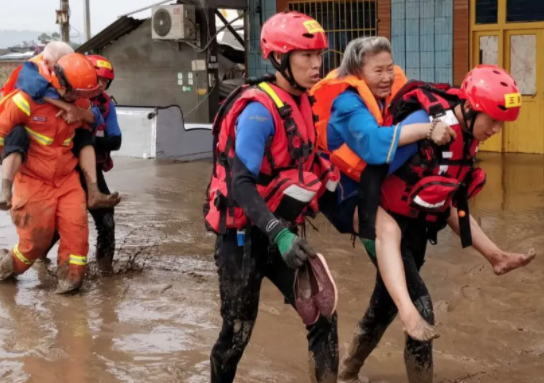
{"x": 442, "y": 134}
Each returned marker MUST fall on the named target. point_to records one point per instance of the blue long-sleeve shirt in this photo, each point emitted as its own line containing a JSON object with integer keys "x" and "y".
{"x": 352, "y": 123}
{"x": 112, "y": 124}
{"x": 253, "y": 128}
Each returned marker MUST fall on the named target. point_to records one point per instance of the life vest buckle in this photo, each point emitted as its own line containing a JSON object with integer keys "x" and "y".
{"x": 285, "y": 111}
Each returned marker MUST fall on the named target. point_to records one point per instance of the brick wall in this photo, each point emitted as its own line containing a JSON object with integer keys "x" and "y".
{"x": 461, "y": 45}
{"x": 281, "y": 5}
{"x": 384, "y": 18}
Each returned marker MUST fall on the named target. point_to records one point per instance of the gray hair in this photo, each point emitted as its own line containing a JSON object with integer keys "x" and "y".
{"x": 55, "y": 50}
{"x": 358, "y": 51}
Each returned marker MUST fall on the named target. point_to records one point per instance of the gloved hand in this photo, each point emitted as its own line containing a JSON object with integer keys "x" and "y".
{"x": 370, "y": 246}
{"x": 293, "y": 249}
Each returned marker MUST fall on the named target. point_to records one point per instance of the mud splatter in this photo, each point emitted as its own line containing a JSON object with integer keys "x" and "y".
{"x": 127, "y": 328}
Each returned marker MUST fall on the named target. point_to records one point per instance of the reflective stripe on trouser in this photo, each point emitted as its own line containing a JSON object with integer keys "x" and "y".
{"x": 50, "y": 208}
{"x": 78, "y": 260}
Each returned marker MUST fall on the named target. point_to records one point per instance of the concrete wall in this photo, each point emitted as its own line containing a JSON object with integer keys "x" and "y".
{"x": 148, "y": 74}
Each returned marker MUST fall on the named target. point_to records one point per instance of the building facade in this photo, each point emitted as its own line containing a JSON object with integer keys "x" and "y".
{"x": 437, "y": 41}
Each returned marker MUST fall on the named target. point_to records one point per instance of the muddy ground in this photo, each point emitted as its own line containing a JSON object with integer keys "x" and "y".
{"x": 158, "y": 325}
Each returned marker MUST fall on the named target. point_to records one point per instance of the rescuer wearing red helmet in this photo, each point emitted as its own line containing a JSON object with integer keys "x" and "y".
{"x": 428, "y": 192}
{"x": 48, "y": 196}
{"x": 107, "y": 138}
{"x": 266, "y": 175}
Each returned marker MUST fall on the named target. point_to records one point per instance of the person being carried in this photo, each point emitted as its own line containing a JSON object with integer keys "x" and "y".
{"x": 34, "y": 78}
{"x": 428, "y": 192}
{"x": 357, "y": 133}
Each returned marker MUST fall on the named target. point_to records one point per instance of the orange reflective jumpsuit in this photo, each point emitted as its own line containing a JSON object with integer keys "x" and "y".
{"x": 47, "y": 191}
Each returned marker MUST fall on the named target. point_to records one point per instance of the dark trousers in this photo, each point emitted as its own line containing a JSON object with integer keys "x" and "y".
{"x": 382, "y": 310}
{"x": 240, "y": 284}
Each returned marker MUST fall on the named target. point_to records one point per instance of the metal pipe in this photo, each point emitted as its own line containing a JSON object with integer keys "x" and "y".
{"x": 65, "y": 20}
{"x": 230, "y": 28}
{"x": 87, "y": 19}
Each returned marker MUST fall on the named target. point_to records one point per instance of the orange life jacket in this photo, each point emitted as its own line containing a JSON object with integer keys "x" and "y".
{"x": 325, "y": 92}
{"x": 9, "y": 89}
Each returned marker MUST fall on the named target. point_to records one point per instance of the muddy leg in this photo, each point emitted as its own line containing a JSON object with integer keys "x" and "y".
{"x": 418, "y": 356}
{"x": 14, "y": 153}
{"x": 239, "y": 292}
{"x": 105, "y": 241}
{"x": 322, "y": 336}
{"x": 105, "y": 228}
{"x": 368, "y": 332}
{"x": 10, "y": 167}
{"x": 95, "y": 199}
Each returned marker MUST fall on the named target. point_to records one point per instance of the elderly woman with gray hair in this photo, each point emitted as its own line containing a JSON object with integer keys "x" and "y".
{"x": 356, "y": 132}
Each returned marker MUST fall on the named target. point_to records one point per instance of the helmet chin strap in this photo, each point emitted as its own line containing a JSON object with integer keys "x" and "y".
{"x": 285, "y": 69}
{"x": 471, "y": 115}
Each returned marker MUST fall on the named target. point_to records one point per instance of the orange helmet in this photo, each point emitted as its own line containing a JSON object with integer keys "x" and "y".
{"x": 74, "y": 73}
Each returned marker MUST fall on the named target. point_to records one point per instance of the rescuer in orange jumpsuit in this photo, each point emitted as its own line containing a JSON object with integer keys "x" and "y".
{"x": 47, "y": 191}
{"x": 12, "y": 157}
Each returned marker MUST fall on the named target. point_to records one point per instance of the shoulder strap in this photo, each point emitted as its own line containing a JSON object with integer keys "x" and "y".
{"x": 435, "y": 98}
{"x": 298, "y": 149}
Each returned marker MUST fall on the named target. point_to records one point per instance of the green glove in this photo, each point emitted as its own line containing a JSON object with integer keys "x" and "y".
{"x": 370, "y": 246}
{"x": 293, "y": 249}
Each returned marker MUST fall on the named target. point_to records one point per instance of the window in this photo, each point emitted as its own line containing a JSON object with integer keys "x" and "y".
{"x": 523, "y": 62}
{"x": 343, "y": 22}
{"x": 524, "y": 10}
{"x": 486, "y": 11}
{"x": 489, "y": 50}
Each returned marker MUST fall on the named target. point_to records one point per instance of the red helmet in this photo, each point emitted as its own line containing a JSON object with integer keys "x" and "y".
{"x": 291, "y": 31}
{"x": 103, "y": 67}
{"x": 75, "y": 73}
{"x": 491, "y": 90}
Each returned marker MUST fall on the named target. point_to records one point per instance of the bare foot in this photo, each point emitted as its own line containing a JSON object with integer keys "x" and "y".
{"x": 511, "y": 261}
{"x": 5, "y": 195}
{"x": 100, "y": 200}
{"x": 418, "y": 329}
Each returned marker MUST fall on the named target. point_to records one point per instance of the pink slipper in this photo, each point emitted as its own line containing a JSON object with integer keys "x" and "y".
{"x": 324, "y": 291}
{"x": 304, "y": 302}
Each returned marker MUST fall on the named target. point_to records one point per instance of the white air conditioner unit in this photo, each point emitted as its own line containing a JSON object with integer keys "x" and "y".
{"x": 174, "y": 22}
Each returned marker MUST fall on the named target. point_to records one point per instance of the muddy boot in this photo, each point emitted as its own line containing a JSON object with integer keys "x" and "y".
{"x": 5, "y": 195}
{"x": 6, "y": 265}
{"x": 68, "y": 281}
{"x": 364, "y": 341}
{"x": 105, "y": 266}
{"x": 351, "y": 364}
{"x": 98, "y": 200}
{"x": 44, "y": 259}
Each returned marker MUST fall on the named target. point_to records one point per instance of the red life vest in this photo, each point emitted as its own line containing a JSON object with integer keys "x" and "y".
{"x": 292, "y": 175}
{"x": 437, "y": 177}
{"x": 103, "y": 103}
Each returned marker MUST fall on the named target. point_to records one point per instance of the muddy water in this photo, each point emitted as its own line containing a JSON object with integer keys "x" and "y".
{"x": 158, "y": 325}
